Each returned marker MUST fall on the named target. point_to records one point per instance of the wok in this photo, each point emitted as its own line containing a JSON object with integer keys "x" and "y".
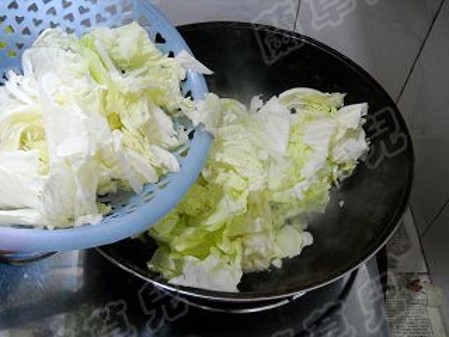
{"x": 252, "y": 59}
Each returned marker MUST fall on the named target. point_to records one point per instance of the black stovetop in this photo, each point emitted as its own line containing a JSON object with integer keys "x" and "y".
{"x": 82, "y": 294}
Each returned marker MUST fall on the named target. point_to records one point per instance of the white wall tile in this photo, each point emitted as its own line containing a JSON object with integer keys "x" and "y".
{"x": 425, "y": 106}
{"x": 436, "y": 249}
{"x": 383, "y": 36}
{"x": 276, "y": 13}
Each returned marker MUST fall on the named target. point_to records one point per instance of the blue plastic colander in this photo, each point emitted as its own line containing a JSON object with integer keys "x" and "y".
{"x": 20, "y": 24}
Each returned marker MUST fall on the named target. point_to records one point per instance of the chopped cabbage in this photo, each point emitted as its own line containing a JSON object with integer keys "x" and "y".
{"x": 270, "y": 164}
{"x": 89, "y": 116}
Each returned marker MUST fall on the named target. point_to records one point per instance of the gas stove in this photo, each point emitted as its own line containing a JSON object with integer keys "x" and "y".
{"x": 82, "y": 294}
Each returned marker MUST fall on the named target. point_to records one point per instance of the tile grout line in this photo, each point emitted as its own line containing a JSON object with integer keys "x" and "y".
{"x": 296, "y": 24}
{"x": 421, "y": 246}
{"x": 420, "y": 51}
{"x": 425, "y": 232}
{"x": 434, "y": 219}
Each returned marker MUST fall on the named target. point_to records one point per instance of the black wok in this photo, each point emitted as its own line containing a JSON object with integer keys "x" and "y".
{"x": 249, "y": 60}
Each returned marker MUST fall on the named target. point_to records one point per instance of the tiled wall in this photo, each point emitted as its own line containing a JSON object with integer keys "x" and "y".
{"x": 404, "y": 44}
{"x": 273, "y": 12}
{"x": 426, "y": 105}
{"x": 383, "y": 36}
